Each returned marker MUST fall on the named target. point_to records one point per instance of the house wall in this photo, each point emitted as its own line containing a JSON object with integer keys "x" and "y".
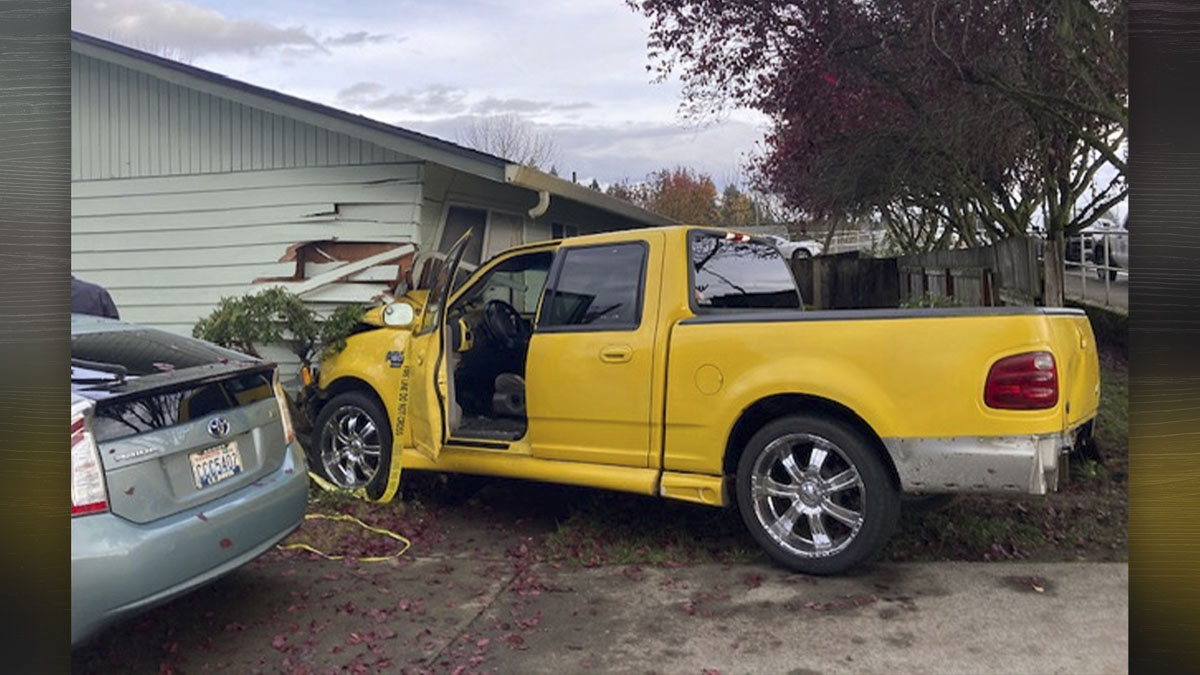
{"x": 168, "y": 248}
{"x": 128, "y": 124}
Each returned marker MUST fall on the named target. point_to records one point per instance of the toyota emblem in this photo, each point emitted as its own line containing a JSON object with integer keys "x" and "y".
{"x": 218, "y": 427}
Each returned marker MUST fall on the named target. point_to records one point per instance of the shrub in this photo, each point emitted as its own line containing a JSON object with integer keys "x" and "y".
{"x": 278, "y": 316}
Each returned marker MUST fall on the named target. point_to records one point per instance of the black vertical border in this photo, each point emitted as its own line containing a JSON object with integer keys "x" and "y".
{"x": 1164, "y": 430}
{"x": 35, "y": 175}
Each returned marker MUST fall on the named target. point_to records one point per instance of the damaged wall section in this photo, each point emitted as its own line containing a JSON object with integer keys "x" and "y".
{"x": 168, "y": 249}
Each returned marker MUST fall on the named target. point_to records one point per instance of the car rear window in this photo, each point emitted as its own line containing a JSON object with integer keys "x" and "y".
{"x": 159, "y": 409}
{"x": 144, "y": 351}
{"x": 731, "y": 271}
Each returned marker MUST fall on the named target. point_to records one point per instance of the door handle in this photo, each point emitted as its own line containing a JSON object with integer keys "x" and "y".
{"x": 616, "y": 353}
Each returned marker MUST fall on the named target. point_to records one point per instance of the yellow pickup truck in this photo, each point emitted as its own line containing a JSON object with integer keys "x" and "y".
{"x": 680, "y": 362}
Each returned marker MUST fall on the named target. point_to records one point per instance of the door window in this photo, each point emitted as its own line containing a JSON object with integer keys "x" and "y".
{"x": 440, "y": 291}
{"x": 517, "y": 281}
{"x": 597, "y": 288}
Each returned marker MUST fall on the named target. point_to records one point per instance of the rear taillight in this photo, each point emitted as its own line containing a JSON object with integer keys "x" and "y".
{"x": 87, "y": 475}
{"x": 1023, "y": 382}
{"x": 286, "y": 417}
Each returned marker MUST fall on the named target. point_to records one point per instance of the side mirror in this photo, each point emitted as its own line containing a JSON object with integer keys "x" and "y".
{"x": 399, "y": 315}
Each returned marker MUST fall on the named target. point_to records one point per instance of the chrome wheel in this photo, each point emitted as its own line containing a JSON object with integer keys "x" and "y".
{"x": 807, "y": 495}
{"x": 350, "y": 447}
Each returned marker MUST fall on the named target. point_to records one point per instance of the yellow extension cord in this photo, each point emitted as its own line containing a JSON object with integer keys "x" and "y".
{"x": 329, "y": 487}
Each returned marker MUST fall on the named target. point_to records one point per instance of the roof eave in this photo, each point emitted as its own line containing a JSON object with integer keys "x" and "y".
{"x": 533, "y": 179}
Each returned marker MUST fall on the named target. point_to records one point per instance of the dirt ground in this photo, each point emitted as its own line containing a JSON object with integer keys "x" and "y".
{"x": 492, "y": 585}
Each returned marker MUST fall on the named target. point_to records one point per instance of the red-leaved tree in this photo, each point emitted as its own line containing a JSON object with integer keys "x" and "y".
{"x": 973, "y": 118}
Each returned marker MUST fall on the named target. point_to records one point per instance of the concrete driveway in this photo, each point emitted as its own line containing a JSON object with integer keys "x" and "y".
{"x": 481, "y": 604}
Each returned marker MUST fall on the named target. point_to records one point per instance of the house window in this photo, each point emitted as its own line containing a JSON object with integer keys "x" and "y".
{"x": 459, "y": 219}
{"x": 492, "y": 232}
{"x": 560, "y": 231}
{"x": 505, "y": 231}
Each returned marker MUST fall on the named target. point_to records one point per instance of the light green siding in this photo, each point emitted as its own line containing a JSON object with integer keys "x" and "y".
{"x": 126, "y": 124}
{"x": 169, "y": 248}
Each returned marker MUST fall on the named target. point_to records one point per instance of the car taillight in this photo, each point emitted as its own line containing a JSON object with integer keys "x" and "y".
{"x": 1023, "y": 382}
{"x": 286, "y": 417}
{"x": 88, "y": 494}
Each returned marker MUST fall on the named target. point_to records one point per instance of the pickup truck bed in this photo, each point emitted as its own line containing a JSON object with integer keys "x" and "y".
{"x": 913, "y": 378}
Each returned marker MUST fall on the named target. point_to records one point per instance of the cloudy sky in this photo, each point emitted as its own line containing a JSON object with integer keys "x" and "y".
{"x": 576, "y": 70}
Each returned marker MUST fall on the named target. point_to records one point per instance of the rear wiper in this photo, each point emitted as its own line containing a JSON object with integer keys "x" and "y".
{"x": 117, "y": 371}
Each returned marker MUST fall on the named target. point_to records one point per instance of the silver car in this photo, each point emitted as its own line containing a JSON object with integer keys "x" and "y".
{"x": 184, "y": 467}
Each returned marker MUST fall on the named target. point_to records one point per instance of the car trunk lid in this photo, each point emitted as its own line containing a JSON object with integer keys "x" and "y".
{"x": 177, "y": 440}
{"x": 164, "y": 400}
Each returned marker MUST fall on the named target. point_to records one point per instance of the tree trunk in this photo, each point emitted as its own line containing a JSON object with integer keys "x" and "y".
{"x": 1054, "y": 273}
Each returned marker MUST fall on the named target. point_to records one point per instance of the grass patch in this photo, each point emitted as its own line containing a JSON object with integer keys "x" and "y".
{"x": 606, "y": 528}
{"x": 1112, "y": 422}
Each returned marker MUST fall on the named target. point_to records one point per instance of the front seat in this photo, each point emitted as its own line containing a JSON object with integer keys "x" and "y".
{"x": 509, "y": 399}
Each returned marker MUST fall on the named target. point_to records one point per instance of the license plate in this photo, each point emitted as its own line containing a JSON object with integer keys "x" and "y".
{"x": 216, "y": 464}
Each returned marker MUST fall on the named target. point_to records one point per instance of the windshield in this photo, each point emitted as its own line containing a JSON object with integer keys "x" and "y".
{"x": 736, "y": 272}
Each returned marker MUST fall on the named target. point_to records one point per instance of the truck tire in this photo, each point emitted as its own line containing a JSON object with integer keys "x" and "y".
{"x": 815, "y": 495}
{"x": 352, "y": 443}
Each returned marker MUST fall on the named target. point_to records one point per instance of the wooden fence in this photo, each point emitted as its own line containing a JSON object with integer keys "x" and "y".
{"x": 847, "y": 281}
{"x": 1007, "y": 273}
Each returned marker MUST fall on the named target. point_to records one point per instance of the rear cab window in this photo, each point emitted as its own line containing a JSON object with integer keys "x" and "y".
{"x": 732, "y": 272}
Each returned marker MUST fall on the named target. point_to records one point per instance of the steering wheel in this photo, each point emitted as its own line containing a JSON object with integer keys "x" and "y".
{"x": 504, "y": 323}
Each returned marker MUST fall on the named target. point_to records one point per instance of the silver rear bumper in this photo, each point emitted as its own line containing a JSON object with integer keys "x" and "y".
{"x": 1018, "y": 464}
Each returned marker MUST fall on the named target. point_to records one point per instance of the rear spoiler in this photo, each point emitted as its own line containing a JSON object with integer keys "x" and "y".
{"x": 174, "y": 379}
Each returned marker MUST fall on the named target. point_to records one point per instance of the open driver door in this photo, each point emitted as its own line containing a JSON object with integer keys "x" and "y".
{"x": 425, "y": 376}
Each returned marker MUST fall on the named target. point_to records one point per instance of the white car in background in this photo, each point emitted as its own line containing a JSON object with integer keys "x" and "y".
{"x": 805, "y": 248}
